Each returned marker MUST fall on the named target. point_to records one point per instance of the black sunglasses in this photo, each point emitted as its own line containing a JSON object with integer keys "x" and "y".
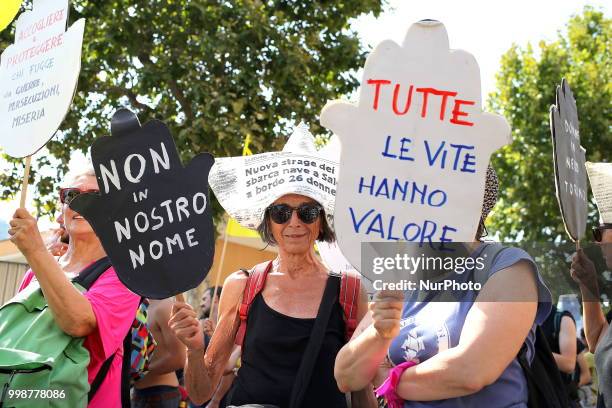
{"x": 66, "y": 195}
{"x": 307, "y": 213}
{"x": 598, "y": 231}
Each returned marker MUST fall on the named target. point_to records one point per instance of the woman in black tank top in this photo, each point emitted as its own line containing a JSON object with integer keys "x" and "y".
{"x": 280, "y": 319}
{"x": 272, "y": 351}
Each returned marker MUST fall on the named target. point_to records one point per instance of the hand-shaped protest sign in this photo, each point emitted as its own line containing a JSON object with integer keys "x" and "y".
{"x": 152, "y": 215}
{"x": 38, "y": 77}
{"x": 416, "y": 147}
{"x": 569, "y": 159}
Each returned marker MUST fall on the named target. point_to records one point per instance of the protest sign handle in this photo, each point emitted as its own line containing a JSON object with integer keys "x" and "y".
{"x": 180, "y": 298}
{"x": 220, "y": 270}
{"x": 24, "y": 186}
{"x": 577, "y": 244}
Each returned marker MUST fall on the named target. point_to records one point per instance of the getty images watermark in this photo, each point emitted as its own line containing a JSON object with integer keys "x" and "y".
{"x": 457, "y": 272}
{"x": 426, "y": 265}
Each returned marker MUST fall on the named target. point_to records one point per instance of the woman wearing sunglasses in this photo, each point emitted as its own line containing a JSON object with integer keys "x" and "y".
{"x": 103, "y": 314}
{"x": 281, "y": 316}
{"x": 596, "y": 328}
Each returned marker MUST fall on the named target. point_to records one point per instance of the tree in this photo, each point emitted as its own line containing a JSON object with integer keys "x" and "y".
{"x": 526, "y": 84}
{"x": 213, "y": 70}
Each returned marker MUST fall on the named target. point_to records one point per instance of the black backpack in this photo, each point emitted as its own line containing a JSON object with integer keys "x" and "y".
{"x": 544, "y": 384}
{"x": 546, "y": 388}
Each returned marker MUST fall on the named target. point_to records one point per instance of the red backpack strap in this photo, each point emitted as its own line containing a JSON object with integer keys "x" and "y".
{"x": 350, "y": 287}
{"x": 255, "y": 283}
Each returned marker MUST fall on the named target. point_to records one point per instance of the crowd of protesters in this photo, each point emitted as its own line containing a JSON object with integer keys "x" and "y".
{"x": 279, "y": 333}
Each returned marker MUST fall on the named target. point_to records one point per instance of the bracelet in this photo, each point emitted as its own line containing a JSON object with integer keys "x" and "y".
{"x": 388, "y": 387}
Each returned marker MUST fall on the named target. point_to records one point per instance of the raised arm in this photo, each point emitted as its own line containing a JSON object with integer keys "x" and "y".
{"x": 71, "y": 309}
{"x": 584, "y": 273}
{"x": 205, "y": 367}
{"x": 358, "y": 361}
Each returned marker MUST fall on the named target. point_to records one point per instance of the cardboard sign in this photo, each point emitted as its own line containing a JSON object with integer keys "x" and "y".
{"x": 8, "y": 11}
{"x": 152, "y": 215}
{"x": 600, "y": 176}
{"x": 246, "y": 185}
{"x": 38, "y": 77}
{"x": 415, "y": 148}
{"x": 569, "y": 159}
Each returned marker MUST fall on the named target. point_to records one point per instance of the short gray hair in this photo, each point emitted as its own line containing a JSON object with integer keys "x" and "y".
{"x": 78, "y": 170}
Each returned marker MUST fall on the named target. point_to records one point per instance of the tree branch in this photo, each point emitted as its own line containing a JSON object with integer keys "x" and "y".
{"x": 132, "y": 97}
{"x": 180, "y": 97}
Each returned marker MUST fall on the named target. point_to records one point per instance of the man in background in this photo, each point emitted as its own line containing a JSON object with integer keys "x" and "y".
{"x": 159, "y": 387}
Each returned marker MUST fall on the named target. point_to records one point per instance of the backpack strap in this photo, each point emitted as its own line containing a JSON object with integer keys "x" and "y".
{"x": 89, "y": 275}
{"x": 97, "y": 382}
{"x": 255, "y": 283}
{"x": 125, "y": 369}
{"x": 350, "y": 288}
{"x": 311, "y": 352}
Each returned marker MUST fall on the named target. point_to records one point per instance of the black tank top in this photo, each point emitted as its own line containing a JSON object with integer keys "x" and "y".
{"x": 273, "y": 347}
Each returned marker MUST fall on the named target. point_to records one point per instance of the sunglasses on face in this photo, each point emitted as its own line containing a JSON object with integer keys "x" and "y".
{"x": 598, "y": 231}
{"x": 68, "y": 194}
{"x": 307, "y": 213}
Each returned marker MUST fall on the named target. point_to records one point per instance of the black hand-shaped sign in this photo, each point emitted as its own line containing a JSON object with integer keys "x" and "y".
{"x": 152, "y": 215}
{"x": 569, "y": 159}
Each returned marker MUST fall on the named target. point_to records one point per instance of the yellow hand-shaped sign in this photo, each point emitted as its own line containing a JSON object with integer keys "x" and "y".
{"x": 8, "y": 10}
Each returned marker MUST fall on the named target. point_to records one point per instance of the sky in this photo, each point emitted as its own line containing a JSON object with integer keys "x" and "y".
{"x": 486, "y": 29}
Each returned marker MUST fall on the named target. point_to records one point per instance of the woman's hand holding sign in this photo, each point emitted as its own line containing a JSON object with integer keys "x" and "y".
{"x": 186, "y": 326}
{"x": 24, "y": 232}
{"x": 386, "y": 312}
{"x": 583, "y": 272}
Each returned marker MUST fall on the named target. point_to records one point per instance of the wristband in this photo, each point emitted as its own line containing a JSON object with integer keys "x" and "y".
{"x": 388, "y": 387}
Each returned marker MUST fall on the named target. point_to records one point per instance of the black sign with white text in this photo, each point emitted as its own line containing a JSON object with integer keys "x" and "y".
{"x": 569, "y": 159}
{"x": 152, "y": 215}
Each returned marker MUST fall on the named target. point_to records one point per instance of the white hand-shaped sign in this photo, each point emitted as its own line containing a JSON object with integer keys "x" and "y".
{"x": 416, "y": 147}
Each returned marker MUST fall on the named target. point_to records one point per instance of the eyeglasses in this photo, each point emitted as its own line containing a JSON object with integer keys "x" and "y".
{"x": 68, "y": 194}
{"x": 307, "y": 213}
{"x": 598, "y": 231}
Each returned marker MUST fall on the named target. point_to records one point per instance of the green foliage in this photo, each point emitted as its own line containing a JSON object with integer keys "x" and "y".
{"x": 526, "y": 84}
{"x": 213, "y": 70}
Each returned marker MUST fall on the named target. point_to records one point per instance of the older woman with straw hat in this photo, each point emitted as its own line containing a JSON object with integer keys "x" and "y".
{"x": 291, "y": 303}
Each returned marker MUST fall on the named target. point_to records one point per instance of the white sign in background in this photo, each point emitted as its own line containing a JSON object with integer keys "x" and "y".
{"x": 600, "y": 176}
{"x": 38, "y": 77}
{"x": 416, "y": 147}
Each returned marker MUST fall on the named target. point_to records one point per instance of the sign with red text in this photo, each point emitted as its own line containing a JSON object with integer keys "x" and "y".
{"x": 38, "y": 77}
{"x": 152, "y": 215}
{"x": 8, "y": 11}
{"x": 416, "y": 146}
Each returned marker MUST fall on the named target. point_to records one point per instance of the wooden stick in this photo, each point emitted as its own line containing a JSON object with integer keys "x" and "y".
{"x": 577, "y": 244}
{"x": 26, "y": 179}
{"x": 221, "y": 261}
{"x": 180, "y": 298}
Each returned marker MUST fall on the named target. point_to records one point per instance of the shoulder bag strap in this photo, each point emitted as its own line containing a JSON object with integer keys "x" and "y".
{"x": 311, "y": 353}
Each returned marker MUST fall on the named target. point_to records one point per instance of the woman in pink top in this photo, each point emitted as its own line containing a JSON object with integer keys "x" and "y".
{"x": 104, "y": 313}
